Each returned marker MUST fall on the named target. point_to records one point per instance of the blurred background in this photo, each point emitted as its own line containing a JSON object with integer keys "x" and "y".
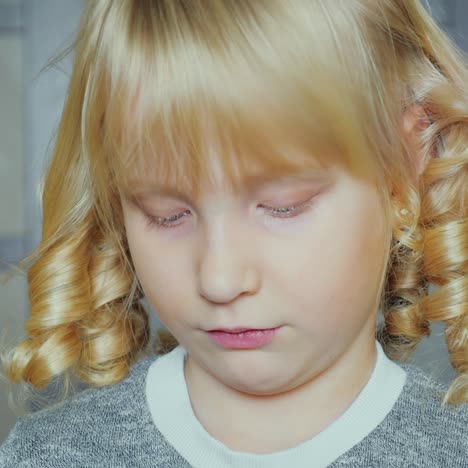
{"x": 31, "y": 32}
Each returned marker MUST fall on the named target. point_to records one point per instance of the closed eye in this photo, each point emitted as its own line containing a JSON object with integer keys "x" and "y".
{"x": 288, "y": 211}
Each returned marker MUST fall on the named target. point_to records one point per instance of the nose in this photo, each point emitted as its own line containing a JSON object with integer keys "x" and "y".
{"x": 227, "y": 272}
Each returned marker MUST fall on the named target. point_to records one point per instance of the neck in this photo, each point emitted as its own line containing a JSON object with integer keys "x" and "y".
{"x": 266, "y": 424}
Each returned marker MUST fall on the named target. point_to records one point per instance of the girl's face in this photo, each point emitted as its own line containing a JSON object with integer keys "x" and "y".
{"x": 228, "y": 261}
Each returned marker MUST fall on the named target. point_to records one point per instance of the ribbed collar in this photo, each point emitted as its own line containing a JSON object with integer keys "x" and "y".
{"x": 169, "y": 403}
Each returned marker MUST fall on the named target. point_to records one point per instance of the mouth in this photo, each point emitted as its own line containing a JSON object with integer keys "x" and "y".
{"x": 242, "y": 337}
{"x": 239, "y": 329}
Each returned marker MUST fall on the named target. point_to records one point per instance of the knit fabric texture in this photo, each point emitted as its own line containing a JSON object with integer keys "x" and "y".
{"x": 111, "y": 427}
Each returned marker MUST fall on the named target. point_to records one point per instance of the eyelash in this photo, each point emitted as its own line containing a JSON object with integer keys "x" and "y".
{"x": 279, "y": 213}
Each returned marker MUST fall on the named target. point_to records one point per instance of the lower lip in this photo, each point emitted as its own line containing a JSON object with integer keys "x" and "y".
{"x": 244, "y": 340}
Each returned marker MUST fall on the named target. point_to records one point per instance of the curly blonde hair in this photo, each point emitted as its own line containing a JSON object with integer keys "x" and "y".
{"x": 151, "y": 77}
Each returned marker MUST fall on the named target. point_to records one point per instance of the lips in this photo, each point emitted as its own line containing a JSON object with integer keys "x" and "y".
{"x": 236, "y": 329}
{"x": 242, "y": 337}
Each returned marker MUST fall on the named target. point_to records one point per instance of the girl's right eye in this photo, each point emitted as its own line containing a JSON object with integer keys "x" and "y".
{"x": 165, "y": 222}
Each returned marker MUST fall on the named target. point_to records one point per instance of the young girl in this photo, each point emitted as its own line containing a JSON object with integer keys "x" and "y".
{"x": 269, "y": 175}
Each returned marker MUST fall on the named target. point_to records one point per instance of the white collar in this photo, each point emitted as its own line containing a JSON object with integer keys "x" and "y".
{"x": 169, "y": 403}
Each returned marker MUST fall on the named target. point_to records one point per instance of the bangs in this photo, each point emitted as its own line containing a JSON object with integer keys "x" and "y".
{"x": 242, "y": 139}
{"x": 178, "y": 95}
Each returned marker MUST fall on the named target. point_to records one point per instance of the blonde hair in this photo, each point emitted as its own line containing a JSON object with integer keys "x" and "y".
{"x": 155, "y": 83}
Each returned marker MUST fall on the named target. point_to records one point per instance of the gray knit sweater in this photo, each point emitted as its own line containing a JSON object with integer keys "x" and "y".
{"x": 112, "y": 427}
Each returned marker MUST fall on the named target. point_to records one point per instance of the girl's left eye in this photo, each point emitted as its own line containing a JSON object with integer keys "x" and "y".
{"x": 275, "y": 212}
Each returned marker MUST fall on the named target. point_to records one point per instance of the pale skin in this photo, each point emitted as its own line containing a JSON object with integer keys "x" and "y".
{"x": 229, "y": 263}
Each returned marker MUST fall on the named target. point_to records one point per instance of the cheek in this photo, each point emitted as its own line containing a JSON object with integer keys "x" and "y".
{"x": 350, "y": 267}
{"x": 332, "y": 272}
{"x": 167, "y": 289}
{"x": 162, "y": 274}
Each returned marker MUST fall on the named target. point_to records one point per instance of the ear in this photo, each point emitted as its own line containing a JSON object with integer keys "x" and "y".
{"x": 415, "y": 120}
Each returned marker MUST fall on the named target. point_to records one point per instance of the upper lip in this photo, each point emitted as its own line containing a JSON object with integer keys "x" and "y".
{"x": 237, "y": 329}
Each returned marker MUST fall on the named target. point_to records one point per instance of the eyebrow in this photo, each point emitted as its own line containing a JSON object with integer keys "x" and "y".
{"x": 250, "y": 182}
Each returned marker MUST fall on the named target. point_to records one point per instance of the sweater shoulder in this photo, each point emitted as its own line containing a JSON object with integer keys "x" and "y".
{"x": 76, "y": 424}
{"x": 418, "y": 431}
{"x": 423, "y": 394}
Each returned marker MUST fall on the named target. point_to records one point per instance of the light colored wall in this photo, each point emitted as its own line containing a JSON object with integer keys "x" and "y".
{"x": 13, "y": 298}
{"x": 11, "y": 132}
{"x": 13, "y": 308}
{"x": 31, "y": 31}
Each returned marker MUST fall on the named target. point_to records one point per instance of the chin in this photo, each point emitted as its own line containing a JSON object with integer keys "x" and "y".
{"x": 258, "y": 383}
